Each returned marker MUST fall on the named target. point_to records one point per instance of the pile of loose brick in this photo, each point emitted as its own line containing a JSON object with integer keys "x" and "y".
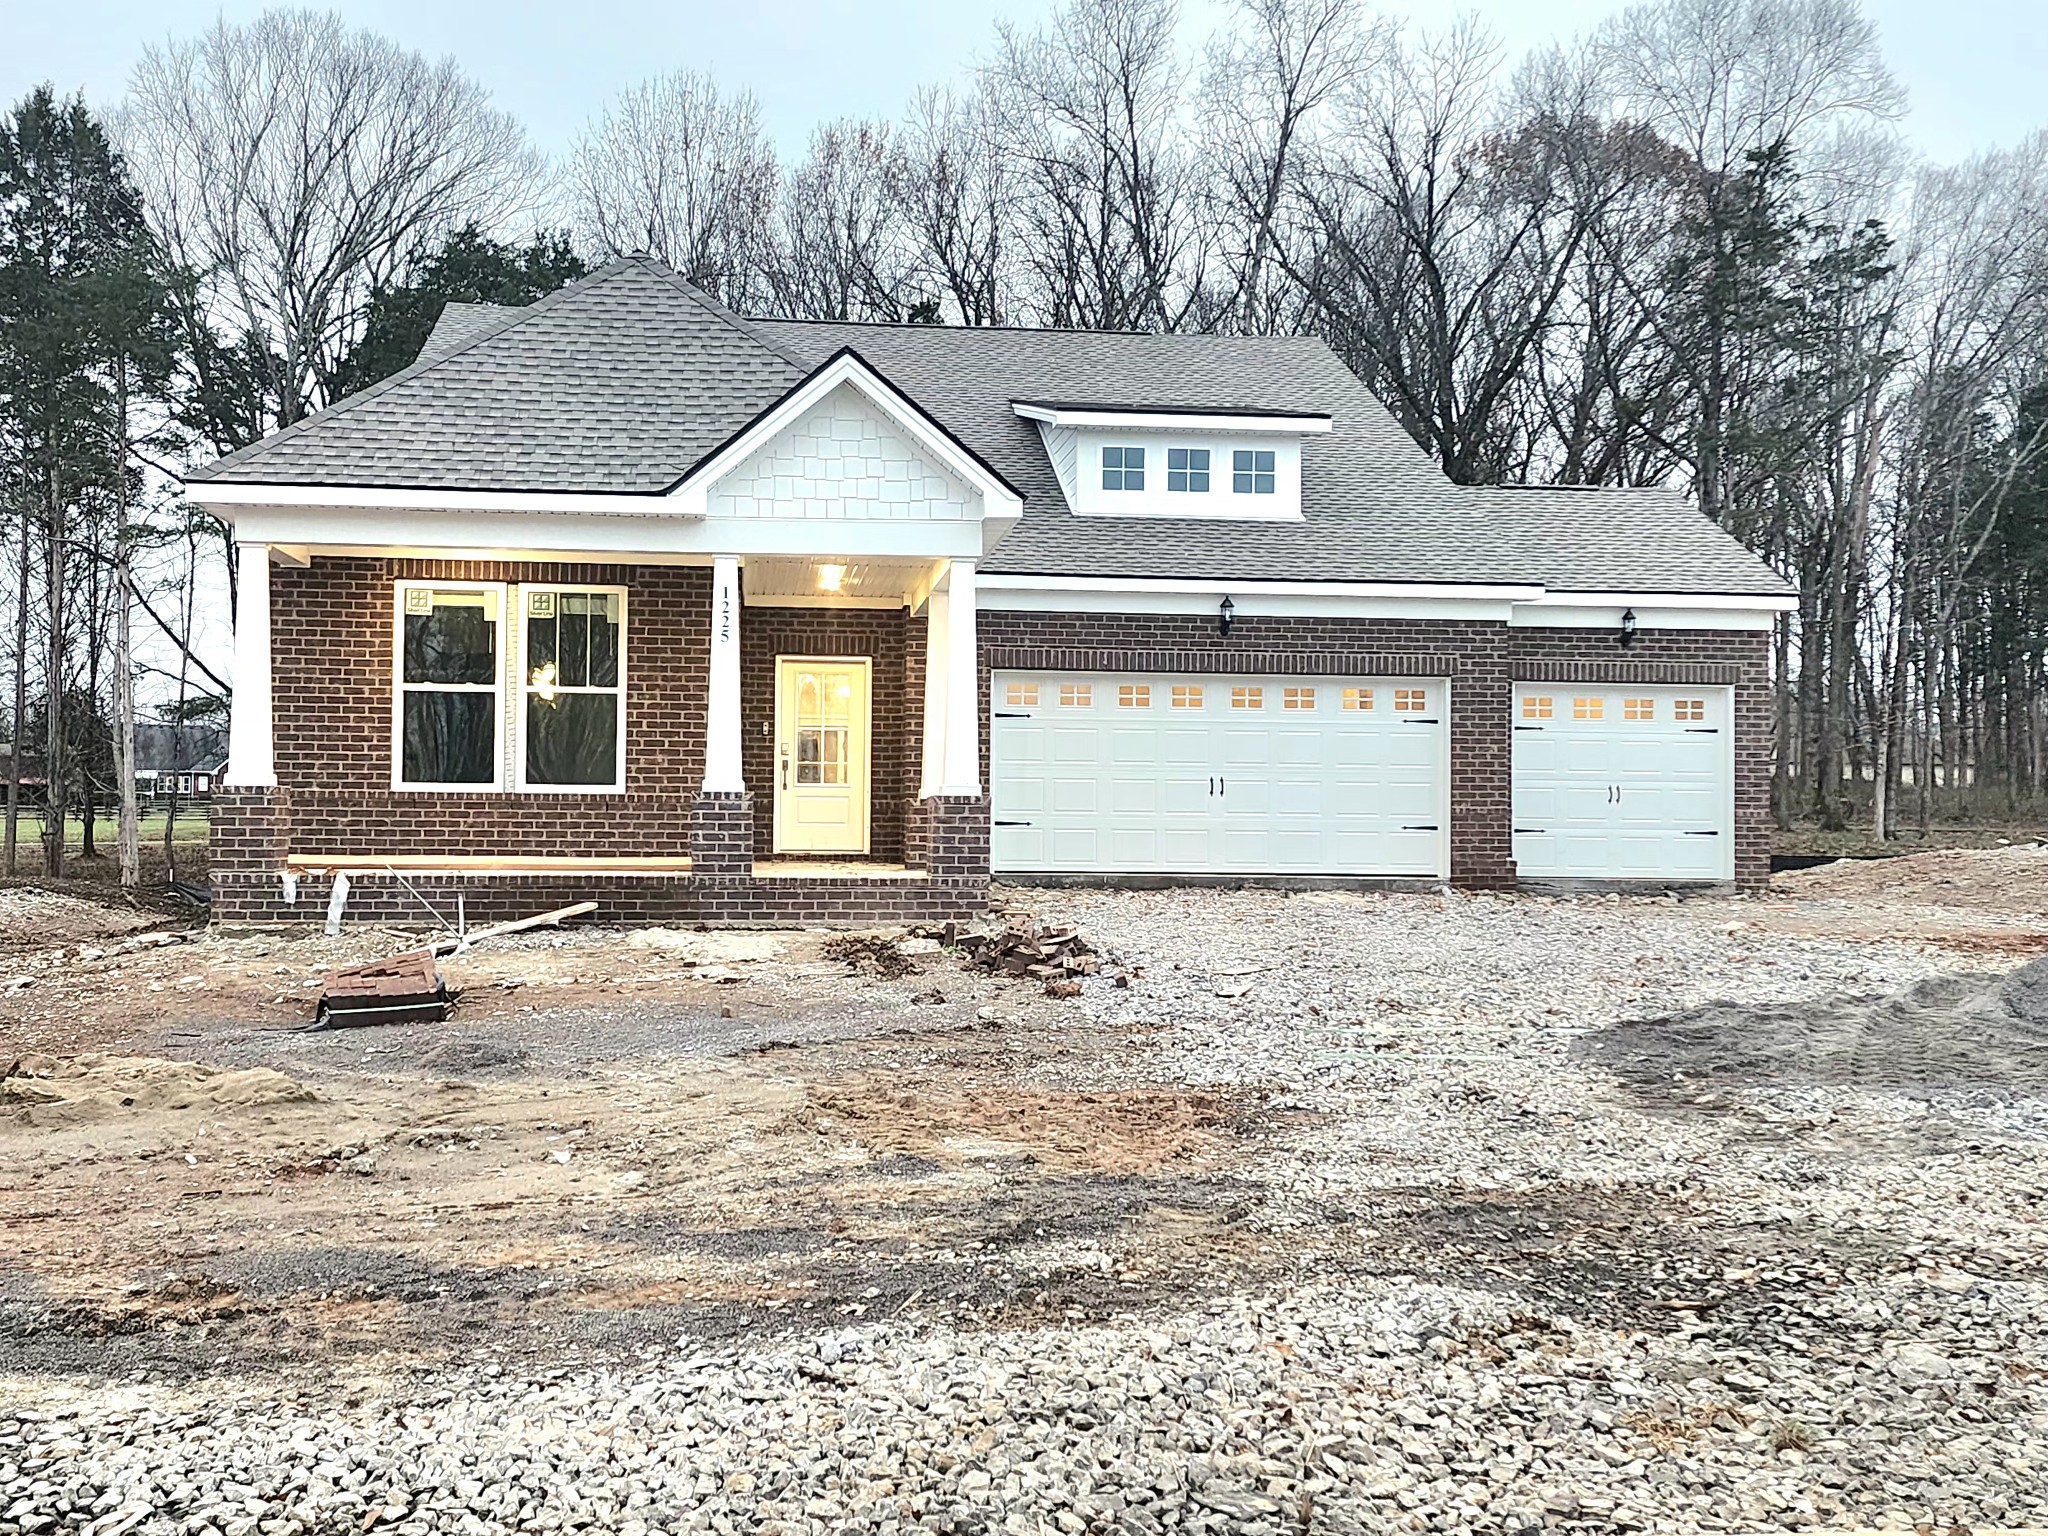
{"x": 1057, "y": 957}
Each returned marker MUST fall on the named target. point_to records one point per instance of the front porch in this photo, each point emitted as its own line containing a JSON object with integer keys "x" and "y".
{"x": 717, "y": 744}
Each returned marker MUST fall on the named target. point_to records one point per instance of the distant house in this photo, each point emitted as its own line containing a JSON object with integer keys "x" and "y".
{"x": 34, "y": 782}
{"x": 185, "y": 761}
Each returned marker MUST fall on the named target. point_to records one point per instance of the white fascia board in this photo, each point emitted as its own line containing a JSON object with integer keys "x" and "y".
{"x": 1653, "y": 610}
{"x": 1650, "y": 614}
{"x": 1734, "y": 600}
{"x": 997, "y": 498}
{"x": 1174, "y": 421}
{"x": 1295, "y": 599}
{"x": 653, "y": 536}
{"x": 230, "y": 498}
{"x": 1503, "y": 592}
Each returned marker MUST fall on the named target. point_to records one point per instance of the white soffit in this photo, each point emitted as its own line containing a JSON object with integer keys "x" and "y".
{"x": 829, "y": 582}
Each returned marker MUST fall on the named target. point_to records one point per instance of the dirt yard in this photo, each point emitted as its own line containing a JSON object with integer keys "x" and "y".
{"x": 1332, "y": 1212}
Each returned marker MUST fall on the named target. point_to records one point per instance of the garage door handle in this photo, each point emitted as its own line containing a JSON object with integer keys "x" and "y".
{"x": 1703, "y": 730}
{"x": 1420, "y": 829}
{"x": 1421, "y": 720}
{"x": 1011, "y": 823}
{"x": 1702, "y": 834}
{"x": 1000, "y": 714}
{"x": 1530, "y": 831}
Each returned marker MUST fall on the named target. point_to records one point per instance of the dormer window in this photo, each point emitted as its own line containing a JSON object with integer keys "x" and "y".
{"x": 1123, "y": 469}
{"x": 1197, "y": 465}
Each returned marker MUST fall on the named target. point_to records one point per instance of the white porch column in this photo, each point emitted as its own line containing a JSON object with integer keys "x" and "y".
{"x": 935, "y": 676}
{"x": 960, "y": 758}
{"x": 722, "y": 723}
{"x": 252, "y": 760}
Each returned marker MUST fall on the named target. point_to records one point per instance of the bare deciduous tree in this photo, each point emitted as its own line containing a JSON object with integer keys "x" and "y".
{"x": 957, "y": 189}
{"x": 843, "y": 251}
{"x": 682, "y": 171}
{"x": 1264, "y": 91}
{"x": 1091, "y": 112}
{"x": 293, "y": 165}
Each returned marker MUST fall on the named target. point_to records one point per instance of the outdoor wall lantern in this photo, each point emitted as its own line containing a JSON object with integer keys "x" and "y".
{"x": 1628, "y": 629}
{"x": 1225, "y": 616}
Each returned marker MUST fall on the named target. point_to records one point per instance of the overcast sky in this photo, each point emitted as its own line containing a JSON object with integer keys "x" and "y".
{"x": 1977, "y": 70}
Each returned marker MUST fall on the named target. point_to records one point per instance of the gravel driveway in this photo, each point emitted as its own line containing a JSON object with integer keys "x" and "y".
{"x": 1473, "y": 1259}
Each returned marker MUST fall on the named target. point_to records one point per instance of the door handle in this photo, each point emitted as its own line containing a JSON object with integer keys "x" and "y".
{"x": 785, "y": 767}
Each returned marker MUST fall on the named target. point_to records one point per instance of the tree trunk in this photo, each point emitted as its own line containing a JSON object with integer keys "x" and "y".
{"x": 128, "y": 839}
{"x": 95, "y": 636}
{"x": 54, "y": 767}
{"x": 19, "y": 743}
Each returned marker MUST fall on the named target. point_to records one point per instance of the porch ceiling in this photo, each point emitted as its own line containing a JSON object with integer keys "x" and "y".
{"x": 773, "y": 581}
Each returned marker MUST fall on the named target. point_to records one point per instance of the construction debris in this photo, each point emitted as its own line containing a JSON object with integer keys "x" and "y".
{"x": 405, "y": 989}
{"x": 1057, "y": 957}
{"x": 456, "y": 943}
{"x": 870, "y": 954}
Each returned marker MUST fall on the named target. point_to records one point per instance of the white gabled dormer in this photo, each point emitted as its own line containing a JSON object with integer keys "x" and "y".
{"x": 1115, "y": 462}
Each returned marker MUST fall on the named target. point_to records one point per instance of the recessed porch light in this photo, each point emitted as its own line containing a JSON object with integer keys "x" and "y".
{"x": 830, "y": 577}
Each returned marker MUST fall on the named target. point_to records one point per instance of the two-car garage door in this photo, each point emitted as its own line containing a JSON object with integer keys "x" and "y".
{"x": 1106, "y": 773}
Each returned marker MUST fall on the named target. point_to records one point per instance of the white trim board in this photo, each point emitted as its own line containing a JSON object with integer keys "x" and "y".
{"x": 1522, "y": 606}
{"x": 651, "y": 538}
{"x": 1282, "y": 422}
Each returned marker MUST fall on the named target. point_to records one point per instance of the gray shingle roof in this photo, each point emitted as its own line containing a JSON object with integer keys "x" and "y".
{"x": 1375, "y": 506}
{"x": 618, "y": 382}
{"x": 623, "y": 381}
{"x": 459, "y": 324}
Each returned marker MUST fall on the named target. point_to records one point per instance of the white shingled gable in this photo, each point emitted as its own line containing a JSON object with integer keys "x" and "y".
{"x": 843, "y": 458}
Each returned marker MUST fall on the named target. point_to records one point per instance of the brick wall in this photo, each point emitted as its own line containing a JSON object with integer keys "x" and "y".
{"x": 1482, "y": 661}
{"x": 331, "y": 647}
{"x": 332, "y": 640}
{"x": 881, "y": 635}
{"x": 623, "y": 898}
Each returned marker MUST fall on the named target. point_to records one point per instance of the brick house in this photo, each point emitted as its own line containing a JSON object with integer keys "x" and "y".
{"x": 622, "y": 596}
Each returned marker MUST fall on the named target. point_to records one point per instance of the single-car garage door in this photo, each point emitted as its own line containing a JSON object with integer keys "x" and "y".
{"x": 1106, "y": 773}
{"x": 1623, "y": 783}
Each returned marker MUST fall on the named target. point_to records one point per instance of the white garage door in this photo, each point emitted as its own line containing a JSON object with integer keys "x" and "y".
{"x": 1105, "y": 773}
{"x": 1624, "y": 783}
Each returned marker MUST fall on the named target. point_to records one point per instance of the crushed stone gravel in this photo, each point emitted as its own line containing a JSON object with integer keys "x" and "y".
{"x": 1508, "y": 1287}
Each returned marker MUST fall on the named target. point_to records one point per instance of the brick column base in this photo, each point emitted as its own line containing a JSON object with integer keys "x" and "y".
{"x": 947, "y": 836}
{"x": 251, "y": 830}
{"x": 722, "y": 834}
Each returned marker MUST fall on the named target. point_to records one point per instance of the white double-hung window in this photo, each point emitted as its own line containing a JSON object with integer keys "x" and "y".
{"x": 481, "y": 704}
{"x": 572, "y": 669}
{"x": 448, "y": 712}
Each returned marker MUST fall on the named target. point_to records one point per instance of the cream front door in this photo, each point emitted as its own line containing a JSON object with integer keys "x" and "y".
{"x": 821, "y": 755}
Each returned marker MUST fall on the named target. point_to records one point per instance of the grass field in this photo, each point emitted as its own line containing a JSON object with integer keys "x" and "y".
{"x": 192, "y": 827}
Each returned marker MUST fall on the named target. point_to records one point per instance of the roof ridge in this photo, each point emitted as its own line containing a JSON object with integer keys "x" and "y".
{"x": 711, "y": 305}
{"x": 948, "y": 328}
{"x": 419, "y": 365}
